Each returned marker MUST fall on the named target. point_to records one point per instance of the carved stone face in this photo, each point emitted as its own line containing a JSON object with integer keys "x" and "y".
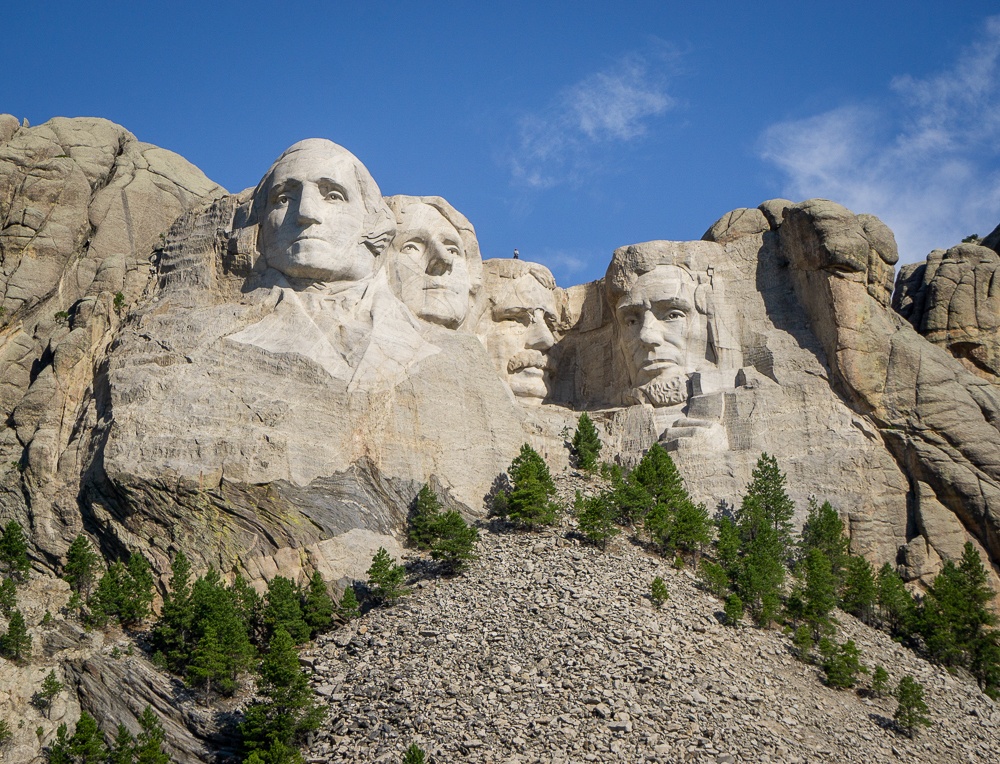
{"x": 313, "y": 220}
{"x": 521, "y": 334}
{"x": 659, "y": 326}
{"x": 430, "y": 267}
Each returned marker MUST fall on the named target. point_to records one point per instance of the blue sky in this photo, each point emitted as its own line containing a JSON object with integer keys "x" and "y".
{"x": 564, "y": 129}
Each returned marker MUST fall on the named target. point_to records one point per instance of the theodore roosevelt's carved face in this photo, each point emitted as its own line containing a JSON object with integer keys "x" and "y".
{"x": 657, "y": 321}
{"x": 429, "y": 265}
{"x": 314, "y": 216}
{"x": 524, "y": 314}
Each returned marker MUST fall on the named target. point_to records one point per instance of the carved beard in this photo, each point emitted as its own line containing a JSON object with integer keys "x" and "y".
{"x": 662, "y": 391}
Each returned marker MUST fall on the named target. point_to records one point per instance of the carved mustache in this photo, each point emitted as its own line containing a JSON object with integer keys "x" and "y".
{"x": 527, "y": 359}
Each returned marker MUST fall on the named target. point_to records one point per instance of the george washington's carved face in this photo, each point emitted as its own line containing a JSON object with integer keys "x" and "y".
{"x": 314, "y": 217}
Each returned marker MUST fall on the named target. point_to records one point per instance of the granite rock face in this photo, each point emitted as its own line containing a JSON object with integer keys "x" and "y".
{"x": 266, "y": 379}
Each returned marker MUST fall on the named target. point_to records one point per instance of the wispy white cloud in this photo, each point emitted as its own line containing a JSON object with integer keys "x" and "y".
{"x": 564, "y": 142}
{"x": 926, "y": 158}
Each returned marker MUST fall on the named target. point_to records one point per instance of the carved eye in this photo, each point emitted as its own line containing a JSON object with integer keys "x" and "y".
{"x": 454, "y": 251}
{"x": 281, "y": 200}
{"x": 335, "y": 195}
{"x": 676, "y": 315}
{"x": 411, "y": 248}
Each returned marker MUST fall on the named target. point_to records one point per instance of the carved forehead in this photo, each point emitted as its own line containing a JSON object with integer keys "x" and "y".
{"x": 524, "y": 292}
{"x": 424, "y": 217}
{"x": 629, "y": 263}
{"x": 664, "y": 283}
{"x": 403, "y": 206}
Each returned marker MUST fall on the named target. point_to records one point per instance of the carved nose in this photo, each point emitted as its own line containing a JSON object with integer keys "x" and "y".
{"x": 441, "y": 261}
{"x": 648, "y": 334}
{"x": 309, "y": 208}
{"x": 539, "y": 336}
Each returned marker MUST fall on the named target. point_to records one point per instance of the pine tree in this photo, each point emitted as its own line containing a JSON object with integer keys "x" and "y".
{"x": 586, "y": 443}
{"x": 81, "y": 566}
{"x": 124, "y": 593}
{"x": 819, "y": 594}
{"x": 208, "y": 663}
{"x": 149, "y": 741}
{"x": 630, "y": 501}
{"x": 385, "y": 578}
{"x": 317, "y": 609}
{"x": 880, "y": 682}
{"x": 14, "y": 550}
{"x": 691, "y": 531}
{"x": 824, "y": 530}
{"x": 414, "y": 755}
{"x": 766, "y": 504}
{"x": 911, "y": 713}
{"x": 282, "y": 609}
{"x": 530, "y": 501}
{"x": 713, "y": 577}
{"x": 172, "y": 633}
{"x": 658, "y": 592}
{"x": 249, "y": 606}
{"x": 86, "y": 746}
{"x": 733, "y": 610}
{"x": 348, "y": 608}
{"x": 860, "y": 592}
{"x": 841, "y": 663}
{"x": 51, "y": 686}
{"x": 123, "y": 747}
{"x": 59, "y": 751}
{"x": 285, "y": 709}
{"x": 727, "y": 546}
{"x": 761, "y": 574}
{"x": 895, "y": 603}
{"x": 8, "y": 596}
{"x": 424, "y": 517}
{"x": 595, "y": 517}
{"x": 214, "y": 605}
{"x": 16, "y": 643}
{"x": 802, "y": 639}
{"x": 455, "y": 545}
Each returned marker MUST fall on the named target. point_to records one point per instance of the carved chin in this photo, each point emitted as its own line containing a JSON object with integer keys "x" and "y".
{"x": 529, "y": 385}
{"x": 663, "y": 391}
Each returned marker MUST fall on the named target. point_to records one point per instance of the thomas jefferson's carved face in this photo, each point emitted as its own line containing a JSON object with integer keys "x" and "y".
{"x": 430, "y": 266}
{"x": 314, "y": 215}
{"x": 658, "y": 321}
{"x": 521, "y": 334}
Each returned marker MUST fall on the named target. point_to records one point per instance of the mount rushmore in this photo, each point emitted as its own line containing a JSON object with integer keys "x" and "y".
{"x": 266, "y": 379}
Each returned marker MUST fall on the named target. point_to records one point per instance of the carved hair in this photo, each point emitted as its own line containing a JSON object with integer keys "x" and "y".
{"x": 379, "y": 224}
{"x": 499, "y": 268}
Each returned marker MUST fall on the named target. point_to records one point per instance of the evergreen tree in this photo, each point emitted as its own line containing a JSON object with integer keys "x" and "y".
{"x": 733, "y": 610}
{"x": 86, "y": 746}
{"x": 727, "y": 546}
{"x": 16, "y": 643}
{"x": 285, "y": 709}
{"x": 766, "y": 504}
{"x": 658, "y": 592}
{"x": 595, "y": 517}
{"x": 455, "y": 545}
{"x": 819, "y": 594}
{"x": 348, "y": 608}
{"x": 208, "y": 664}
{"x": 802, "y": 639}
{"x": 249, "y": 607}
{"x": 911, "y": 713}
{"x": 124, "y": 593}
{"x": 629, "y": 500}
{"x": 824, "y": 530}
{"x": 123, "y": 747}
{"x": 51, "y": 686}
{"x": 841, "y": 663}
{"x": 81, "y": 566}
{"x": 215, "y": 606}
{"x": 59, "y": 751}
{"x": 172, "y": 634}
{"x": 414, "y": 755}
{"x": 586, "y": 443}
{"x": 761, "y": 574}
{"x": 895, "y": 603}
{"x": 149, "y": 741}
{"x": 860, "y": 592}
{"x": 691, "y": 531}
{"x": 385, "y": 578}
{"x": 282, "y": 609}
{"x": 8, "y": 596}
{"x": 530, "y": 500}
{"x": 713, "y": 577}
{"x": 317, "y": 607}
{"x": 880, "y": 682}
{"x": 14, "y": 550}
{"x": 424, "y": 518}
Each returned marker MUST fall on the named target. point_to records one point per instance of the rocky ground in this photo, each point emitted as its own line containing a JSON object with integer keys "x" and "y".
{"x": 549, "y": 650}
